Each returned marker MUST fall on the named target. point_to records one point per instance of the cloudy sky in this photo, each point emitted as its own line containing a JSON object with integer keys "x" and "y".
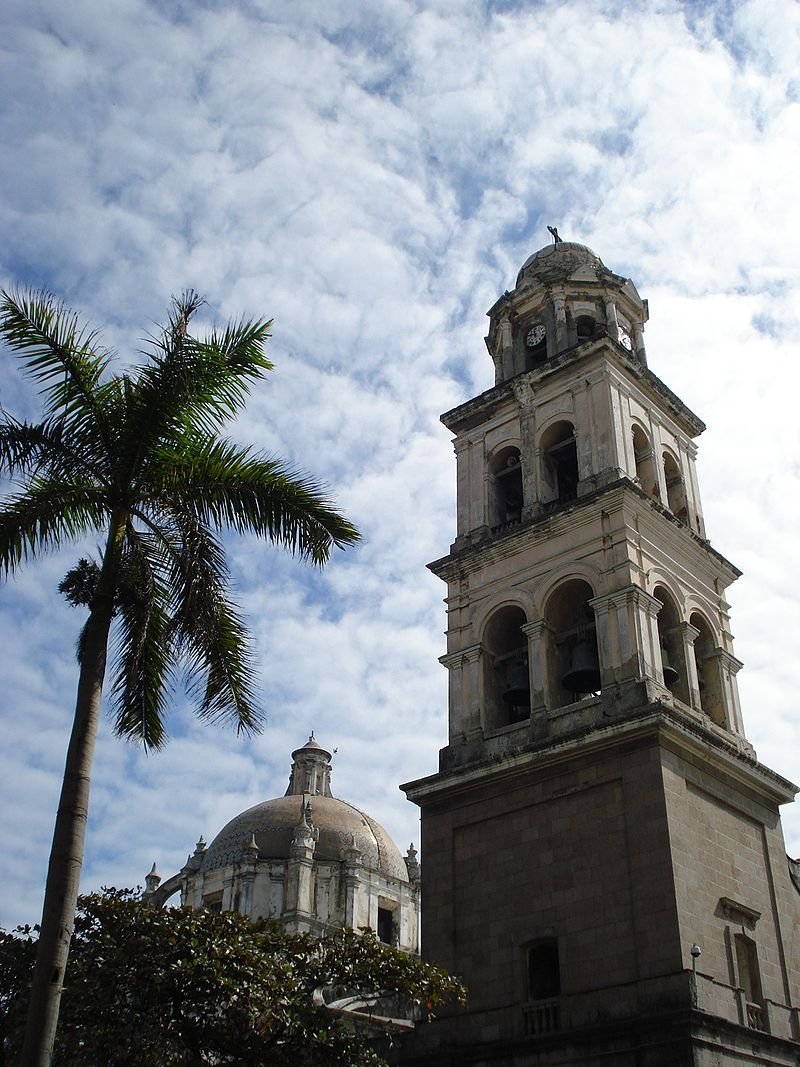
{"x": 371, "y": 174}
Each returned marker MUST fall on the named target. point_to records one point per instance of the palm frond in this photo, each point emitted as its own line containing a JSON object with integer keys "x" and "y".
{"x": 212, "y": 634}
{"x": 224, "y": 485}
{"x": 61, "y": 354}
{"x": 192, "y": 383}
{"x": 144, "y": 649}
{"x": 45, "y": 516}
{"x": 46, "y": 449}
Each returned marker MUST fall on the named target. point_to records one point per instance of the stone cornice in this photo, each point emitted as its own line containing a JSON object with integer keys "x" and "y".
{"x": 471, "y": 413}
{"x": 676, "y": 731}
{"x": 472, "y": 556}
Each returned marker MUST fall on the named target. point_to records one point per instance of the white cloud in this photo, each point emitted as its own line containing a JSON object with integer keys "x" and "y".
{"x": 373, "y": 175}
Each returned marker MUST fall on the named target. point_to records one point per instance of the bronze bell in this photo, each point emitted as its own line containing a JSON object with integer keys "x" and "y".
{"x": 518, "y": 693}
{"x": 583, "y": 675}
{"x": 669, "y": 672}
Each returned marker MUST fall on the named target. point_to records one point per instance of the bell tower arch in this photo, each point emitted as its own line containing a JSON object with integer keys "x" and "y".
{"x": 597, "y": 796}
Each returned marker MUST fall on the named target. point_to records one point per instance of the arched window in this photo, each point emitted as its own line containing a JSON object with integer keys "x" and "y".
{"x": 708, "y": 680}
{"x": 573, "y": 662}
{"x": 585, "y": 327}
{"x": 673, "y": 660}
{"x": 676, "y": 492}
{"x": 749, "y": 977}
{"x": 645, "y": 467}
{"x": 559, "y": 454}
{"x": 543, "y": 977}
{"x": 505, "y": 504}
{"x": 535, "y": 337}
{"x": 544, "y": 972}
{"x": 506, "y": 682}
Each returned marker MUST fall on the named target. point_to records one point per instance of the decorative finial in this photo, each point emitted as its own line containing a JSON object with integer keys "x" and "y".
{"x": 554, "y": 233}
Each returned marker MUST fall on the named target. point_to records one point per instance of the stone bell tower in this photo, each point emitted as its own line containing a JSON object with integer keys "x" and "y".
{"x": 603, "y": 859}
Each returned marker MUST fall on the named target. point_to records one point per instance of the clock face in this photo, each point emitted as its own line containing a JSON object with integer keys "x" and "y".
{"x": 536, "y": 334}
{"x": 625, "y": 338}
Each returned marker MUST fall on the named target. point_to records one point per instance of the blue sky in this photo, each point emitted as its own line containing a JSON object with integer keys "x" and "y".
{"x": 372, "y": 175}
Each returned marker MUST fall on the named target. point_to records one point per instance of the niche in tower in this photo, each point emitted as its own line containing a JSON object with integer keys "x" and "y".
{"x": 572, "y": 659}
{"x": 673, "y": 660}
{"x": 676, "y": 491}
{"x": 559, "y": 453}
{"x": 505, "y": 488}
{"x": 585, "y": 328}
{"x": 506, "y": 683}
{"x": 645, "y": 466}
{"x": 708, "y": 679}
{"x": 534, "y": 336}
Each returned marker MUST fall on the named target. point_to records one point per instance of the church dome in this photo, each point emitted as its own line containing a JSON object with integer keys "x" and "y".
{"x": 339, "y": 826}
{"x": 558, "y": 261}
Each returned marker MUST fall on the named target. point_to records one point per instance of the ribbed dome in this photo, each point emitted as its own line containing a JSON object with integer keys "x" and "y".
{"x": 273, "y": 823}
{"x": 558, "y": 260}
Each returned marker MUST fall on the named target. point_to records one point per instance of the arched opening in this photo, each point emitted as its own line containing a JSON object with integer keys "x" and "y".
{"x": 573, "y": 661}
{"x": 645, "y": 465}
{"x": 673, "y": 659}
{"x": 505, "y": 504}
{"x": 544, "y": 972}
{"x": 585, "y": 327}
{"x": 676, "y": 491}
{"x": 708, "y": 679}
{"x": 507, "y": 696}
{"x": 559, "y": 454}
{"x": 535, "y": 344}
{"x": 749, "y": 978}
{"x": 543, "y": 980}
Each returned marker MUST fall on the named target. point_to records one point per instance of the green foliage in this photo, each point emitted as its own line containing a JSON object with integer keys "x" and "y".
{"x": 178, "y": 987}
{"x": 140, "y": 456}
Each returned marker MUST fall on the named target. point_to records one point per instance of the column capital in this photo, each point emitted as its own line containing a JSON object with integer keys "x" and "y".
{"x": 688, "y": 632}
{"x": 464, "y": 655}
{"x": 630, "y": 594}
{"x": 730, "y": 662}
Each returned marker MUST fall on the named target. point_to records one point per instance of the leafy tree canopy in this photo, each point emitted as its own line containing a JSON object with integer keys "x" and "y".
{"x": 179, "y": 987}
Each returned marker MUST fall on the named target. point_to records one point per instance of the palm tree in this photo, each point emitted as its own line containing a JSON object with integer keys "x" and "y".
{"x": 138, "y": 457}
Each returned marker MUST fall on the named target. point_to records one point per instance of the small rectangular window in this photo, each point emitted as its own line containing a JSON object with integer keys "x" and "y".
{"x": 544, "y": 973}
{"x": 385, "y": 925}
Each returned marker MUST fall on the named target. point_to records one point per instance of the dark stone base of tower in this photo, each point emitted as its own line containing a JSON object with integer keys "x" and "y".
{"x": 603, "y": 863}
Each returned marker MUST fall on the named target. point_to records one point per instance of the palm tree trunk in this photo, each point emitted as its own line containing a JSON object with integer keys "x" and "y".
{"x": 66, "y": 855}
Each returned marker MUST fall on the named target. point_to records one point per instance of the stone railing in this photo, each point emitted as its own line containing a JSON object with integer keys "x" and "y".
{"x": 542, "y": 1017}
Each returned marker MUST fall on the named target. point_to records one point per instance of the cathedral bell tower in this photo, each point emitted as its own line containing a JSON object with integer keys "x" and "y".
{"x": 603, "y": 860}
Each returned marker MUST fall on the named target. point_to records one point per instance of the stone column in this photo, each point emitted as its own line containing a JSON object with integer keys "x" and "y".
{"x": 721, "y": 670}
{"x": 627, "y": 635}
{"x": 560, "y": 309}
{"x": 536, "y": 632}
{"x": 537, "y": 663}
{"x": 472, "y": 691}
{"x": 466, "y": 520}
{"x": 693, "y": 492}
{"x": 247, "y": 876}
{"x": 504, "y": 349}
{"x": 638, "y": 342}
{"x": 300, "y": 872}
{"x": 352, "y": 866}
{"x": 688, "y": 636}
{"x": 526, "y": 399}
{"x": 730, "y": 667}
{"x": 454, "y": 662}
{"x": 612, "y": 322}
{"x": 658, "y": 459}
